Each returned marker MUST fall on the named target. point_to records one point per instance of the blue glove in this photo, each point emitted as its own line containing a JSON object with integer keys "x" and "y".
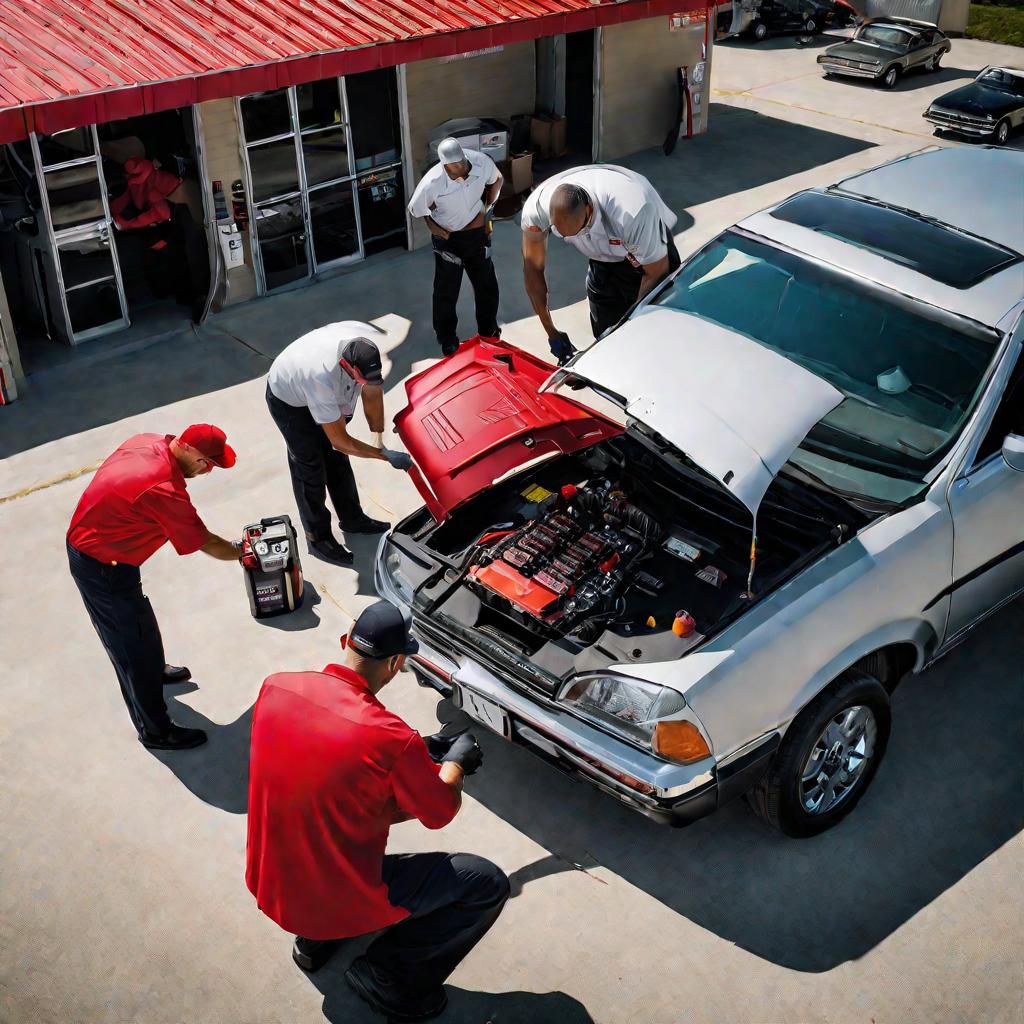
{"x": 399, "y": 460}
{"x": 561, "y": 347}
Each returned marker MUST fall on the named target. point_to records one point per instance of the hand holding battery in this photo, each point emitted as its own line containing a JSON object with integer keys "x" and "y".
{"x": 465, "y": 752}
{"x": 561, "y": 347}
{"x": 398, "y": 460}
{"x": 438, "y": 745}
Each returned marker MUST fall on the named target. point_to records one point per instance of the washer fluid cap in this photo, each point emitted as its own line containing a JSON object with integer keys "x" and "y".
{"x": 894, "y": 381}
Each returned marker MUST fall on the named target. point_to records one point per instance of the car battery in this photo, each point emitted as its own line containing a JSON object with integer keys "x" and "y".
{"x": 273, "y": 572}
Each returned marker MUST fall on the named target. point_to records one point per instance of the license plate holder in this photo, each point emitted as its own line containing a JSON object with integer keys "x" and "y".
{"x": 485, "y": 711}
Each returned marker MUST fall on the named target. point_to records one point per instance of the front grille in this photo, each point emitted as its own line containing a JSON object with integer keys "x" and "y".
{"x": 955, "y": 118}
{"x": 846, "y": 62}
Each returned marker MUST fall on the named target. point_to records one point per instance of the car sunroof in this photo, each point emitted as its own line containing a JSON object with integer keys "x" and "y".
{"x": 941, "y": 253}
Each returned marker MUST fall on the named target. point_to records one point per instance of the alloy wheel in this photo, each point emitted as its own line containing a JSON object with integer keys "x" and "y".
{"x": 838, "y": 759}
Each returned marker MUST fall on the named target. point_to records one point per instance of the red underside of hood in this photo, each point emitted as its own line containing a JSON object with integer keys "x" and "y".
{"x": 477, "y": 415}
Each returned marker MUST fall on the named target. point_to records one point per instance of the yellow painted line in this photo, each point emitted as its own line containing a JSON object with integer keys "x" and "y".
{"x": 73, "y": 475}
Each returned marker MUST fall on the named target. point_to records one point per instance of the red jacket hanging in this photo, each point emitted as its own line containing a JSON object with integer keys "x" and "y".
{"x": 147, "y": 192}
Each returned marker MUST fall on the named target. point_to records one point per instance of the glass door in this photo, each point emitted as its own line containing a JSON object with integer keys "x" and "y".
{"x": 298, "y": 145}
{"x": 88, "y": 298}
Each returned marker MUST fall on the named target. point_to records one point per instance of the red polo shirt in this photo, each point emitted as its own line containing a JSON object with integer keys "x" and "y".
{"x": 135, "y": 503}
{"x": 330, "y": 771}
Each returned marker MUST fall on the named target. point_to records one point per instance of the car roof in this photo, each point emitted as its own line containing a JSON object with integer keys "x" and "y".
{"x": 932, "y": 185}
{"x": 898, "y": 23}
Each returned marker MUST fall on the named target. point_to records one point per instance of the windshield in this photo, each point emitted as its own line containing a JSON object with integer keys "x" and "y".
{"x": 1004, "y": 80}
{"x": 894, "y": 38}
{"x": 908, "y": 383}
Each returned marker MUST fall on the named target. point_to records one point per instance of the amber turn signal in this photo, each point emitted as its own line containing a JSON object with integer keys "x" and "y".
{"x": 680, "y": 741}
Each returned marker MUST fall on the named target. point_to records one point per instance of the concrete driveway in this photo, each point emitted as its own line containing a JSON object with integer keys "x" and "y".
{"x": 123, "y": 897}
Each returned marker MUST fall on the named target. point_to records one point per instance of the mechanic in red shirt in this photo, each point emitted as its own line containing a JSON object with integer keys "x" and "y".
{"x": 135, "y": 503}
{"x": 330, "y": 770}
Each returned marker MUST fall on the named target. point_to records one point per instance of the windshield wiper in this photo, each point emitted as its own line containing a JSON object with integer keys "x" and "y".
{"x": 862, "y": 502}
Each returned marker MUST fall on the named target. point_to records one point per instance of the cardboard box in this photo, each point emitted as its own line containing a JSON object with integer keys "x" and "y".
{"x": 540, "y": 134}
{"x": 558, "y": 146}
{"x": 521, "y": 173}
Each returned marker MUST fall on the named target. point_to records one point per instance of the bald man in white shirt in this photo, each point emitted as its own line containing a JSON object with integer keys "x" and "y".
{"x": 453, "y": 198}
{"x": 615, "y": 218}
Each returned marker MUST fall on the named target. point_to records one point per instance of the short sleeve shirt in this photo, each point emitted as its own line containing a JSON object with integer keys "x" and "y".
{"x": 136, "y": 502}
{"x": 308, "y": 373}
{"x": 454, "y": 204}
{"x": 330, "y": 770}
{"x": 631, "y": 221}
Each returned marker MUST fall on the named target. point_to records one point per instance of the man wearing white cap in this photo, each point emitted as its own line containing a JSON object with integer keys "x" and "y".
{"x": 453, "y": 198}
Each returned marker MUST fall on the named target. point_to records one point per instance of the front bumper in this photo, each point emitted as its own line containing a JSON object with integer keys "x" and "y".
{"x": 666, "y": 792}
{"x": 951, "y": 122}
{"x": 831, "y": 68}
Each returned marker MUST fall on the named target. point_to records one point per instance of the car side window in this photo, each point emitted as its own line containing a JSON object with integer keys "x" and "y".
{"x": 1009, "y": 417}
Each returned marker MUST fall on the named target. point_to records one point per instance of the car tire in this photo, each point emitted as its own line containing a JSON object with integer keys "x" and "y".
{"x": 760, "y": 31}
{"x": 1002, "y": 133}
{"x": 889, "y": 79}
{"x": 934, "y": 64}
{"x": 811, "y": 27}
{"x": 781, "y": 797}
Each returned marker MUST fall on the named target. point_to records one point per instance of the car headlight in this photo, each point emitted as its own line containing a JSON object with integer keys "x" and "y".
{"x": 640, "y": 712}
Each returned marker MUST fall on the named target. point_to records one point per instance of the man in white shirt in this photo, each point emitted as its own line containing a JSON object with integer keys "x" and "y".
{"x": 453, "y": 198}
{"x": 618, "y": 221}
{"x": 312, "y": 391}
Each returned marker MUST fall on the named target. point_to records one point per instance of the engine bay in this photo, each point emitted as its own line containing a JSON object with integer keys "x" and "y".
{"x": 611, "y": 555}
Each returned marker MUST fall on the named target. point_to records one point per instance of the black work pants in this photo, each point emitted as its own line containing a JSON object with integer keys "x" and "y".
{"x": 452, "y": 899}
{"x": 613, "y": 287}
{"x": 124, "y": 621}
{"x": 316, "y": 468}
{"x": 468, "y": 251}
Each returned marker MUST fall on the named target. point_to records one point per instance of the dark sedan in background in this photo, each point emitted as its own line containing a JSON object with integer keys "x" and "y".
{"x": 992, "y": 106}
{"x": 885, "y": 50}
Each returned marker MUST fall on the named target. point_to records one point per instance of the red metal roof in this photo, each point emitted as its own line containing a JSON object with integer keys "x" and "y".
{"x": 70, "y": 62}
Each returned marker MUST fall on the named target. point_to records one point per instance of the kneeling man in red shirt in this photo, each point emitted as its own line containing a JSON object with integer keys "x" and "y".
{"x": 330, "y": 770}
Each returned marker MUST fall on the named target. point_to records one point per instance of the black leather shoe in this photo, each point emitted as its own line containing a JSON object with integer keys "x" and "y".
{"x": 449, "y": 349}
{"x": 312, "y": 954}
{"x": 177, "y": 737}
{"x": 176, "y": 674}
{"x": 364, "y": 524}
{"x": 329, "y": 550}
{"x": 382, "y": 993}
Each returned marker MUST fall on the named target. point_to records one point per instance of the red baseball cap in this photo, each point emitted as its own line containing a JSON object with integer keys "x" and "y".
{"x": 211, "y": 442}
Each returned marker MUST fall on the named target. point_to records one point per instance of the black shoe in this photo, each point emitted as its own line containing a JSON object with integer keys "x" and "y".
{"x": 312, "y": 954}
{"x": 381, "y": 992}
{"x": 177, "y": 737}
{"x": 449, "y": 348}
{"x": 329, "y": 550}
{"x": 176, "y": 674}
{"x": 364, "y": 524}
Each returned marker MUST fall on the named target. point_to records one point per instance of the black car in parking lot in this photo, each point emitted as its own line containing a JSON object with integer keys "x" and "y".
{"x": 991, "y": 107}
{"x": 808, "y": 17}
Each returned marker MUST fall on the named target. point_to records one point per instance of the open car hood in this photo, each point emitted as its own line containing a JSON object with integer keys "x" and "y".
{"x": 478, "y": 415}
{"x": 736, "y": 408}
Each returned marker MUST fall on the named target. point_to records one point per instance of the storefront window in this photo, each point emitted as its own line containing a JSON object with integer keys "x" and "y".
{"x": 332, "y": 216}
{"x": 273, "y": 168}
{"x": 266, "y": 115}
{"x": 305, "y": 176}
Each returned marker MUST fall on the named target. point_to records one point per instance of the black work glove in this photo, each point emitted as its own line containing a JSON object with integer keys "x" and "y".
{"x": 398, "y": 460}
{"x": 561, "y": 347}
{"x": 438, "y": 745}
{"x": 466, "y": 753}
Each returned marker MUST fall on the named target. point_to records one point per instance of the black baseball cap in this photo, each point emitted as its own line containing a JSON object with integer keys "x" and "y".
{"x": 364, "y": 356}
{"x": 382, "y": 631}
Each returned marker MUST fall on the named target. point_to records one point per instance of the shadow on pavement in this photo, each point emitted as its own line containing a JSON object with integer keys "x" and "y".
{"x": 304, "y": 617}
{"x": 911, "y": 80}
{"x": 783, "y": 42}
{"x": 741, "y": 150}
{"x": 946, "y": 797}
{"x": 342, "y": 1006}
{"x": 218, "y": 771}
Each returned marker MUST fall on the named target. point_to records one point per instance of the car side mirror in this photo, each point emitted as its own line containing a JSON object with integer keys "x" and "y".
{"x": 1013, "y": 452}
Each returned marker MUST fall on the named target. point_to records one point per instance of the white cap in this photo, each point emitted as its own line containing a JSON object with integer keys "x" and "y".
{"x": 450, "y": 151}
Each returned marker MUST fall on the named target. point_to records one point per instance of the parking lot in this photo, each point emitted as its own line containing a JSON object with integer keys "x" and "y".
{"x": 123, "y": 897}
